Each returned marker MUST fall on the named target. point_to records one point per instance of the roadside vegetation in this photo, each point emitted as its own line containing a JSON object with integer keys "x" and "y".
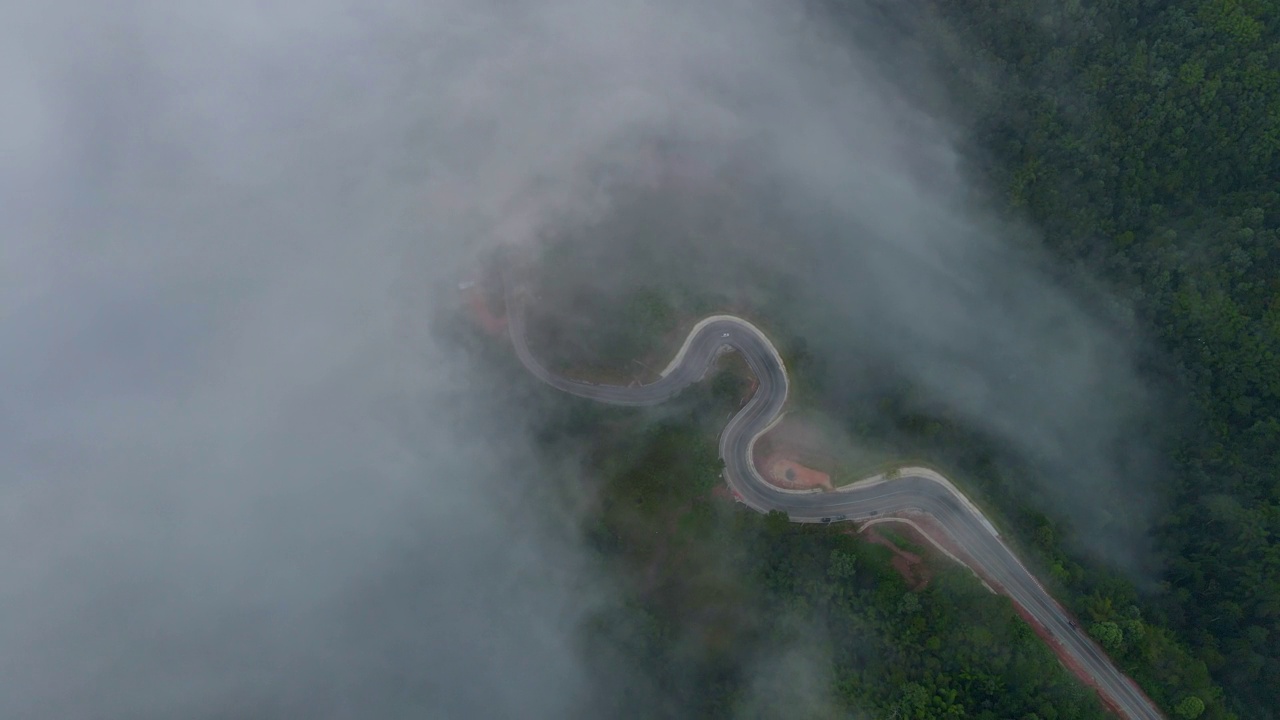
{"x": 628, "y": 343}
{"x": 714, "y": 595}
{"x": 1143, "y": 140}
{"x": 1128, "y": 624}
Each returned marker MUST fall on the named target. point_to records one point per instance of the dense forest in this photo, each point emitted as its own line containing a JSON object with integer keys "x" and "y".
{"x": 719, "y": 597}
{"x": 1143, "y": 138}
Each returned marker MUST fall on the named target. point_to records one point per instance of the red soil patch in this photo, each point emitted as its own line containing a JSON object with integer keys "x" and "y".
{"x": 787, "y": 461}
{"x": 802, "y": 446}
{"x": 481, "y": 312}
{"x": 910, "y": 566}
{"x": 789, "y": 474}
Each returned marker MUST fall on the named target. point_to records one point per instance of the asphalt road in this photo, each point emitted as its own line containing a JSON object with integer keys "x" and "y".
{"x": 913, "y": 491}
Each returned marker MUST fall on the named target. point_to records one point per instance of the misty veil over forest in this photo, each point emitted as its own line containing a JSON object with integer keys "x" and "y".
{"x": 263, "y": 462}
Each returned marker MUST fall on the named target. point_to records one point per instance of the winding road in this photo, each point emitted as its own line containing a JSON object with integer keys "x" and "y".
{"x": 968, "y": 537}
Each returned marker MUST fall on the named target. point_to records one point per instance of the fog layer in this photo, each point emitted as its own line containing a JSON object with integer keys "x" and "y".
{"x": 248, "y": 474}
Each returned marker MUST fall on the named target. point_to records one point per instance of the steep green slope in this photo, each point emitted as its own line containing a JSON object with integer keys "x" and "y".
{"x": 1144, "y": 138}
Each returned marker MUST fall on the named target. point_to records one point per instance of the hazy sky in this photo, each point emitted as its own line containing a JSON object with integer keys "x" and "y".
{"x": 246, "y": 476}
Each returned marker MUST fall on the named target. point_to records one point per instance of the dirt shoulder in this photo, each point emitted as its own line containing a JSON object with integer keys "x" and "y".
{"x": 796, "y": 454}
{"x": 909, "y": 565}
{"x": 924, "y": 527}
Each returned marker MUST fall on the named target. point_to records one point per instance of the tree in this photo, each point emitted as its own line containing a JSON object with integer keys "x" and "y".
{"x": 1109, "y": 635}
{"x": 777, "y": 522}
{"x": 1190, "y": 707}
{"x": 727, "y": 387}
{"x": 909, "y": 604}
{"x": 843, "y": 565}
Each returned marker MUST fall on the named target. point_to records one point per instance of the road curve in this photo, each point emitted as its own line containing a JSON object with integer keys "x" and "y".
{"x": 909, "y": 492}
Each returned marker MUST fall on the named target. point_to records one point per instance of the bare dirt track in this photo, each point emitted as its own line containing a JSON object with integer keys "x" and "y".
{"x": 909, "y": 565}
{"x": 784, "y": 472}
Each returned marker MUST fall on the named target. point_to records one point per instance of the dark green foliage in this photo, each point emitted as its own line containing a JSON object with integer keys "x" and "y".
{"x": 598, "y": 331}
{"x": 1190, "y": 708}
{"x": 717, "y": 592}
{"x": 729, "y": 387}
{"x": 953, "y": 650}
{"x": 676, "y": 465}
{"x": 1144, "y": 138}
{"x": 1109, "y": 604}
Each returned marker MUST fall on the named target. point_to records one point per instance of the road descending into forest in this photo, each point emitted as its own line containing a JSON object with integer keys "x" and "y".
{"x": 969, "y": 536}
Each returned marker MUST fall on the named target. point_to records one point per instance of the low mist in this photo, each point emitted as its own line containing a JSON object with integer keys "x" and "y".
{"x": 254, "y": 470}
